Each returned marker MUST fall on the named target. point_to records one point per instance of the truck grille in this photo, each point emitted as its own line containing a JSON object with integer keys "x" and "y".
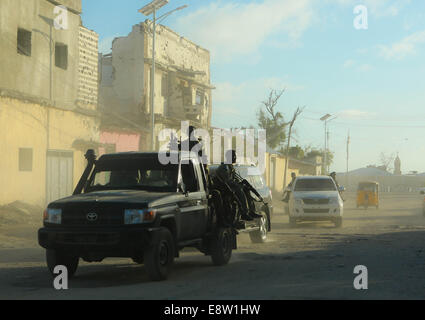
{"x": 316, "y": 201}
{"x": 83, "y": 215}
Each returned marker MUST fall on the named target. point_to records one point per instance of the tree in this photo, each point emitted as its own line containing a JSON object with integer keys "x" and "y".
{"x": 291, "y": 125}
{"x": 386, "y": 160}
{"x": 311, "y": 153}
{"x": 272, "y": 121}
{"x": 296, "y": 152}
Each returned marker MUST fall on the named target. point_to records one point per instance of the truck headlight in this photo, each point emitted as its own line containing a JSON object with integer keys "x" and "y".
{"x": 53, "y": 216}
{"x": 138, "y": 216}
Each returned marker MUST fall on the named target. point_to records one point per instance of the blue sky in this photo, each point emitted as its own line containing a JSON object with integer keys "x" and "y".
{"x": 372, "y": 80}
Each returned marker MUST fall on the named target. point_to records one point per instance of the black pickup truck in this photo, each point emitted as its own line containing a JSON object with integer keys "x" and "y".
{"x": 130, "y": 205}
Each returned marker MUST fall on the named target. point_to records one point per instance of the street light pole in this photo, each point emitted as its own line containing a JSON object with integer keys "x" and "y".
{"x": 325, "y": 151}
{"x": 153, "y": 83}
{"x": 147, "y": 10}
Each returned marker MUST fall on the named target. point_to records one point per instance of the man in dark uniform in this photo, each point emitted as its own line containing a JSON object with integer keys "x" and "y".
{"x": 227, "y": 173}
{"x": 193, "y": 144}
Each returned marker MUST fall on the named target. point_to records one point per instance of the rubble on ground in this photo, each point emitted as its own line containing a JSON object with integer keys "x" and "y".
{"x": 19, "y": 212}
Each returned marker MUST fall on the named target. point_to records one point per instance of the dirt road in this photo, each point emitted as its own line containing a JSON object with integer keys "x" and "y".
{"x": 312, "y": 261}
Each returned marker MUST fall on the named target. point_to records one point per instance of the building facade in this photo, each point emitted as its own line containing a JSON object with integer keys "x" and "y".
{"x": 48, "y": 100}
{"x": 275, "y": 169}
{"x": 182, "y": 83}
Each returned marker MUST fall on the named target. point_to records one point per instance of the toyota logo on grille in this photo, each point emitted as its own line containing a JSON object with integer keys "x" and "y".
{"x": 92, "y": 216}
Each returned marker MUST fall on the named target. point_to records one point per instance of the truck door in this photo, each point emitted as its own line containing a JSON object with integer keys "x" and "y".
{"x": 194, "y": 208}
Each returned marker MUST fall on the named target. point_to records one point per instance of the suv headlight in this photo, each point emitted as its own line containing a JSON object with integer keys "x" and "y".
{"x": 138, "y": 216}
{"x": 53, "y": 216}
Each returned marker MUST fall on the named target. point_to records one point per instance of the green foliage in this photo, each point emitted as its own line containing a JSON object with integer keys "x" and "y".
{"x": 296, "y": 152}
{"x": 310, "y": 153}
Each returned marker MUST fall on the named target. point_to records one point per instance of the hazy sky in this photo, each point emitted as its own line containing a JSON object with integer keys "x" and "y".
{"x": 372, "y": 80}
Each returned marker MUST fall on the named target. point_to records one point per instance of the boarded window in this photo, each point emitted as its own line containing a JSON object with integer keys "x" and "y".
{"x": 61, "y": 56}
{"x": 164, "y": 86}
{"x": 187, "y": 96}
{"x": 24, "y": 42}
{"x": 25, "y": 159}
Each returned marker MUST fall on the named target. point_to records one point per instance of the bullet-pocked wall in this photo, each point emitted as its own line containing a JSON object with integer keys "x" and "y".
{"x": 183, "y": 88}
{"x": 182, "y": 82}
{"x": 26, "y": 27}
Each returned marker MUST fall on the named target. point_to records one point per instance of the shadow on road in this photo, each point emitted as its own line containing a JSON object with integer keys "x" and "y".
{"x": 395, "y": 262}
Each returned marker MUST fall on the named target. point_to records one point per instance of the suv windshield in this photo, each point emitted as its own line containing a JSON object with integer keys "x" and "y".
{"x": 315, "y": 185}
{"x": 144, "y": 174}
{"x": 252, "y": 175}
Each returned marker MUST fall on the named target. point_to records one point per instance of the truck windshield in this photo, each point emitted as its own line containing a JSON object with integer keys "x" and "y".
{"x": 314, "y": 185}
{"x": 143, "y": 174}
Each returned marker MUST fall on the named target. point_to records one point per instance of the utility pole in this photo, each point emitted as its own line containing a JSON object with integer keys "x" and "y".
{"x": 326, "y": 119}
{"x": 291, "y": 124}
{"x": 348, "y": 155}
{"x": 152, "y": 8}
{"x": 326, "y": 151}
{"x": 147, "y": 10}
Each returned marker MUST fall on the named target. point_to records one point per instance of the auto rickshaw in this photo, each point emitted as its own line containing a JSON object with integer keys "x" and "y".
{"x": 367, "y": 194}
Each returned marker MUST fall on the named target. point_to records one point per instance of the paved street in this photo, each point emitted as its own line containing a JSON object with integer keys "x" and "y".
{"x": 312, "y": 261}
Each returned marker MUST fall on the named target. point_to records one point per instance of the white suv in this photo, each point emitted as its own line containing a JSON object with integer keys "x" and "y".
{"x": 314, "y": 198}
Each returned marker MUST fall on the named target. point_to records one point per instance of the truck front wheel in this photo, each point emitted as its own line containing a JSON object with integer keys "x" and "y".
{"x": 159, "y": 256}
{"x": 56, "y": 258}
{"x": 221, "y": 246}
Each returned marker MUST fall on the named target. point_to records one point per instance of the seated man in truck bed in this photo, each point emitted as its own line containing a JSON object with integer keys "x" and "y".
{"x": 226, "y": 172}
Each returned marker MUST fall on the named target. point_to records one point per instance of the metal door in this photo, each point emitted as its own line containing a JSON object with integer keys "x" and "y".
{"x": 59, "y": 175}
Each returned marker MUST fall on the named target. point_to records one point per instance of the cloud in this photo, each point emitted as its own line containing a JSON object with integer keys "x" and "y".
{"x": 231, "y": 30}
{"x": 378, "y": 8}
{"x": 358, "y": 67}
{"x": 349, "y": 63}
{"x": 365, "y": 67}
{"x": 402, "y": 49}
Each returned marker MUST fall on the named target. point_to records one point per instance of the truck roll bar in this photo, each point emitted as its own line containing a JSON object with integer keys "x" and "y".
{"x": 91, "y": 160}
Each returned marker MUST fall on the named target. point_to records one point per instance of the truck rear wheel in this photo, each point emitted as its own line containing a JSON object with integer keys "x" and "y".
{"x": 221, "y": 246}
{"x": 56, "y": 258}
{"x": 159, "y": 256}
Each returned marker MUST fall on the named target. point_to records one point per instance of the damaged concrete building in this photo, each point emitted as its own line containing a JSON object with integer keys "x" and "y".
{"x": 183, "y": 90}
{"x": 48, "y": 99}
